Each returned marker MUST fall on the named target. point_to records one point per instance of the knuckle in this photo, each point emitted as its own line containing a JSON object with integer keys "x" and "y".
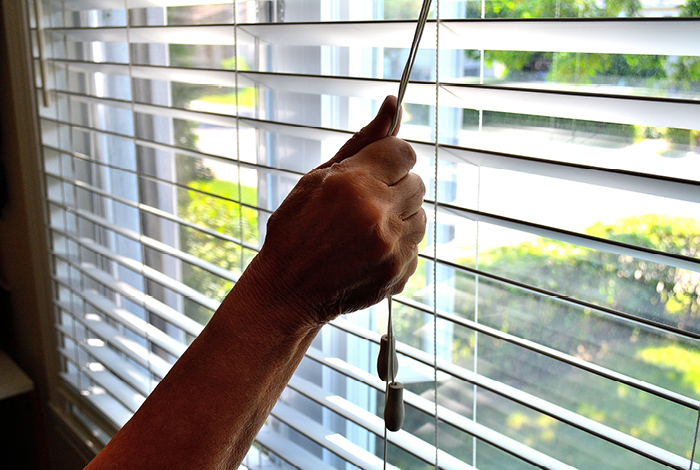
{"x": 347, "y": 185}
{"x": 393, "y": 268}
{"x": 395, "y": 148}
{"x": 421, "y": 185}
{"x": 415, "y": 189}
{"x": 404, "y": 150}
{"x": 417, "y": 228}
{"x": 423, "y": 220}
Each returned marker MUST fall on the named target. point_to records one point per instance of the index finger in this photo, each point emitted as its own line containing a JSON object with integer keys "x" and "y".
{"x": 390, "y": 159}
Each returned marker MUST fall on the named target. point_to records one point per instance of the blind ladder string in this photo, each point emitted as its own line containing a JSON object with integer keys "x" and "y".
{"x": 695, "y": 442}
{"x": 238, "y": 130}
{"x": 387, "y": 362}
{"x": 142, "y": 247}
{"x": 435, "y": 230}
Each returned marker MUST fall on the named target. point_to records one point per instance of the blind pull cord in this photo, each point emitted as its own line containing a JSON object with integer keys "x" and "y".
{"x": 387, "y": 362}
{"x": 420, "y": 25}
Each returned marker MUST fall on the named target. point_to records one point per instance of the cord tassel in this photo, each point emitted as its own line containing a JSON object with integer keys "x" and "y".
{"x": 388, "y": 362}
{"x": 394, "y": 410}
{"x": 385, "y": 352}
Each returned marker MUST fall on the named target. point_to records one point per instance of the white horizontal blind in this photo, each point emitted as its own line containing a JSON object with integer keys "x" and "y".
{"x": 553, "y": 321}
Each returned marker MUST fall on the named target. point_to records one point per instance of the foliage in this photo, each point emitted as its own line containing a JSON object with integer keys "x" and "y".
{"x": 247, "y": 98}
{"x": 184, "y": 93}
{"x": 691, "y": 8}
{"x": 686, "y": 70}
{"x": 542, "y": 8}
{"x": 621, "y": 282}
{"x": 677, "y": 358}
{"x": 585, "y": 68}
{"x": 646, "y": 289}
{"x": 192, "y": 168}
{"x": 184, "y": 133}
{"x": 230, "y": 63}
{"x": 211, "y": 204}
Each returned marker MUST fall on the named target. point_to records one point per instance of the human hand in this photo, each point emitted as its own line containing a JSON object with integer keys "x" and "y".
{"x": 347, "y": 235}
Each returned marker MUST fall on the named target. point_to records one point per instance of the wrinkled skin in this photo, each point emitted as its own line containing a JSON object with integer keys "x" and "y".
{"x": 367, "y": 222}
{"x": 344, "y": 238}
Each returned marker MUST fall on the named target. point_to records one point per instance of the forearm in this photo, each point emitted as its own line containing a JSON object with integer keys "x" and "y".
{"x": 345, "y": 237}
{"x": 208, "y": 409}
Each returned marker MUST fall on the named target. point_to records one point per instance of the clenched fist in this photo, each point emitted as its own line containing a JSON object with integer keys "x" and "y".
{"x": 347, "y": 234}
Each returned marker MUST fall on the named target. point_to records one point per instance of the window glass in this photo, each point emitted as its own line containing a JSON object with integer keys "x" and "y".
{"x": 554, "y": 312}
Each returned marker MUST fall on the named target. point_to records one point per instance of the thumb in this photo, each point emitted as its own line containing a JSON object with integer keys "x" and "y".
{"x": 375, "y": 130}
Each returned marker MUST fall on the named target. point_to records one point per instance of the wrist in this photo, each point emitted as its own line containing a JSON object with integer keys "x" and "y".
{"x": 263, "y": 299}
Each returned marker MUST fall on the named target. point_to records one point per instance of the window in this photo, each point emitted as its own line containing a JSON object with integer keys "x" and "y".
{"x": 554, "y": 320}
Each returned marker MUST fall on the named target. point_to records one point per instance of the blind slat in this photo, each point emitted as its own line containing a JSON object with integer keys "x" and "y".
{"x": 550, "y": 352}
{"x": 673, "y": 188}
{"x": 594, "y": 243}
{"x": 116, "y": 387}
{"x": 375, "y": 424}
{"x": 153, "y": 243}
{"x": 129, "y": 348}
{"x": 201, "y": 35}
{"x": 674, "y": 37}
{"x": 445, "y": 415}
{"x": 652, "y": 112}
{"x": 635, "y": 319}
{"x": 158, "y": 308}
{"x": 543, "y": 406}
{"x": 663, "y": 36}
{"x": 115, "y": 363}
{"x": 119, "y": 4}
{"x": 135, "y": 324}
{"x": 645, "y": 36}
{"x": 327, "y": 438}
{"x": 152, "y": 273}
{"x": 164, "y": 248}
{"x": 569, "y": 105}
{"x": 106, "y": 404}
{"x": 139, "y": 353}
{"x": 290, "y": 452}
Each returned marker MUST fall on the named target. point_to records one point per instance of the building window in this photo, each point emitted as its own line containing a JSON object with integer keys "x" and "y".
{"x": 554, "y": 319}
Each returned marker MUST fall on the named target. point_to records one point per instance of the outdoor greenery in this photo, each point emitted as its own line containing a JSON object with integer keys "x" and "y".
{"x": 211, "y": 203}
{"x": 650, "y": 71}
{"x": 650, "y": 290}
{"x": 620, "y": 282}
{"x": 183, "y": 94}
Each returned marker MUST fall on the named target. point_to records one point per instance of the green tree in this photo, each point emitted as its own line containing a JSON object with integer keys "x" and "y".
{"x": 691, "y": 8}
{"x": 542, "y": 8}
{"x": 686, "y": 70}
{"x": 643, "y": 288}
{"x": 211, "y": 204}
{"x": 647, "y": 70}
